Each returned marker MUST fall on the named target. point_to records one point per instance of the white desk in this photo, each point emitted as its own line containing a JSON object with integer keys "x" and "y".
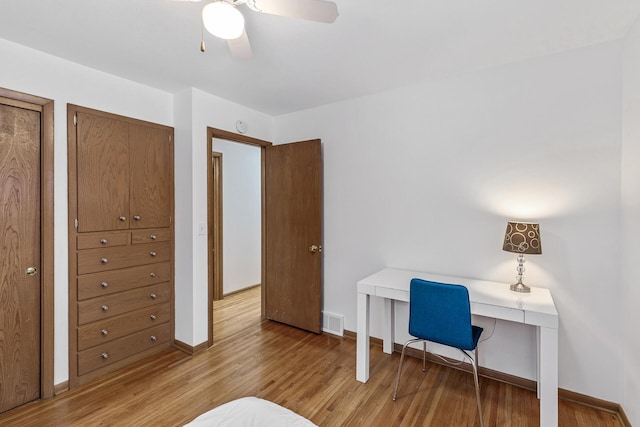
{"x": 489, "y": 299}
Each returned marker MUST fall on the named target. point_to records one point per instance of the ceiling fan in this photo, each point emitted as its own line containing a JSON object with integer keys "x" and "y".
{"x": 223, "y": 19}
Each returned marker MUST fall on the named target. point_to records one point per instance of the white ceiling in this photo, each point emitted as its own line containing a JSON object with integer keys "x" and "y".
{"x": 373, "y": 46}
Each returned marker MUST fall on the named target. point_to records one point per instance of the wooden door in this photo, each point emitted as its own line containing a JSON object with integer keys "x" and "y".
{"x": 103, "y": 162}
{"x": 293, "y": 198}
{"x": 19, "y": 256}
{"x": 151, "y": 176}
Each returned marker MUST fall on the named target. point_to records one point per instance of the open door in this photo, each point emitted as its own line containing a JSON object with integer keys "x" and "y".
{"x": 293, "y": 211}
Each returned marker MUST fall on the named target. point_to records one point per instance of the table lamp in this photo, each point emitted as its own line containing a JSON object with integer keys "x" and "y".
{"x": 522, "y": 238}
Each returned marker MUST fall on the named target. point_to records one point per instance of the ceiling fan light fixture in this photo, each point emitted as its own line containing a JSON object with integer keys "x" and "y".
{"x": 223, "y": 20}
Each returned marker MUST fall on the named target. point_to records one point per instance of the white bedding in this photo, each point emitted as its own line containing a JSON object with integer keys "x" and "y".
{"x": 250, "y": 412}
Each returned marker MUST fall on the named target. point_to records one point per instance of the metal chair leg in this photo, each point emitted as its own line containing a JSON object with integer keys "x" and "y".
{"x": 395, "y": 391}
{"x": 424, "y": 356}
{"x": 474, "y": 365}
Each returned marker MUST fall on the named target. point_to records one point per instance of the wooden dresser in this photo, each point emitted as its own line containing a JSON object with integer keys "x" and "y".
{"x": 121, "y": 241}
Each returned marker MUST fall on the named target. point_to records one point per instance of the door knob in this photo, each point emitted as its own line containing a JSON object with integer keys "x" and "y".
{"x": 315, "y": 248}
{"x": 31, "y": 271}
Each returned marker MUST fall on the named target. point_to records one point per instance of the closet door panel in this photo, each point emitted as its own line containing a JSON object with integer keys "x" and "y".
{"x": 103, "y": 165}
{"x": 151, "y": 176}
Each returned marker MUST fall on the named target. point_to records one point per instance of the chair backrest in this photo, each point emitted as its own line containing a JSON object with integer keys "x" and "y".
{"x": 440, "y": 312}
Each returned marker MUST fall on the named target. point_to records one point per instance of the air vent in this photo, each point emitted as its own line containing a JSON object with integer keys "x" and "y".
{"x": 333, "y": 323}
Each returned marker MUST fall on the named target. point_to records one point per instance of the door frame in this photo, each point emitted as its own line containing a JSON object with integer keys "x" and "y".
{"x": 47, "y": 308}
{"x": 235, "y": 137}
{"x": 216, "y": 254}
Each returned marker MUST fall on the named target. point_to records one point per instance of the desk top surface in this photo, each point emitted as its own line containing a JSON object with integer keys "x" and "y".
{"x": 394, "y": 283}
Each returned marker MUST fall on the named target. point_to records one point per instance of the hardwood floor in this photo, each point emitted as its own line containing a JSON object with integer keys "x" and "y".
{"x": 313, "y": 375}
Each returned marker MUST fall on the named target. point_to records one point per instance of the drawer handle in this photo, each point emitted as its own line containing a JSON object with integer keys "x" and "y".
{"x": 104, "y": 260}
{"x": 123, "y": 218}
{"x": 104, "y": 332}
{"x": 103, "y": 241}
{"x": 153, "y": 296}
{"x": 152, "y": 253}
{"x": 153, "y": 317}
{"x": 153, "y": 338}
{"x": 105, "y": 308}
{"x": 152, "y": 274}
{"x": 104, "y": 285}
{"x": 153, "y": 237}
{"x": 136, "y": 217}
{"x": 105, "y": 355}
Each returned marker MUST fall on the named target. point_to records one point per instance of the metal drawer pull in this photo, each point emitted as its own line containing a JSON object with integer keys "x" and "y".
{"x": 136, "y": 217}
{"x": 152, "y": 253}
{"x": 153, "y": 237}
{"x": 152, "y": 274}
{"x": 104, "y": 260}
{"x": 103, "y": 241}
{"x": 153, "y": 296}
{"x": 104, "y": 332}
{"x": 105, "y": 308}
{"x": 105, "y": 355}
{"x": 153, "y": 317}
{"x": 153, "y": 338}
{"x": 123, "y": 218}
{"x": 104, "y": 284}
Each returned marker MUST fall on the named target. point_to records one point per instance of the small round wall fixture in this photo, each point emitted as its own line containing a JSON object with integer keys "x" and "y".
{"x": 241, "y": 126}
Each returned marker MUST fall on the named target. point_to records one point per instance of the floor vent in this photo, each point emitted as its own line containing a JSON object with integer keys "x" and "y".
{"x": 333, "y": 324}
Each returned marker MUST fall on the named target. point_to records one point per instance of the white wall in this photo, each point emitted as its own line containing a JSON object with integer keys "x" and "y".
{"x": 30, "y": 71}
{"x": 199, "y": 111}
{"x": 630, "y": 226}
{"x": 426, "y": 177}
{"x": 241, "y": 216}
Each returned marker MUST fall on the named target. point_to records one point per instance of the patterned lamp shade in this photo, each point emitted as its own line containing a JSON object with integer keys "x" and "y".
{"x": 522, "y": 238}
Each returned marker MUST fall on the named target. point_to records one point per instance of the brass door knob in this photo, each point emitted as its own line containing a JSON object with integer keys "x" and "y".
{"x": 31, "y": 271}
{"x": 315, "y": 248}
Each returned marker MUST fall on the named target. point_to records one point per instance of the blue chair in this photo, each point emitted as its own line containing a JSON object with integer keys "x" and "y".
{"x": 440, "y": 313}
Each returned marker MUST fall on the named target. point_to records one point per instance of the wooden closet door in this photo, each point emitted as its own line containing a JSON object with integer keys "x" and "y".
{"x": 151, "y": 157}
{"x": 19, "y": 256}
{"x": 103, "y": 164}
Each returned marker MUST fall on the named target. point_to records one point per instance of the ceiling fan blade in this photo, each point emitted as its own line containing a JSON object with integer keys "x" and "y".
{"x": 240, "y": 48}
{"x": 312, "y": 10}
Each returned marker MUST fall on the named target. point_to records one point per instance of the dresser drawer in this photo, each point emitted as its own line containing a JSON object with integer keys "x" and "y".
{"x": 112, "y": 305}
{"x": 113, "y": 351}
{"x": 102, "y": 240}
{"x": 108, "y": 282}
{"x": 150, "y": 235}
{"x": 93, "y": 260}
{"x": 113, "y": 328}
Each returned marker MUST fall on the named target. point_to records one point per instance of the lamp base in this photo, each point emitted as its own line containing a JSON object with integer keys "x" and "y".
{"x": 519, "y": 287}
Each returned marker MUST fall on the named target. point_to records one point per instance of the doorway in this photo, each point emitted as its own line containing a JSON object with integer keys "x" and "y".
{"x": 216, "y": 163}
{"x": 26, "y": 276}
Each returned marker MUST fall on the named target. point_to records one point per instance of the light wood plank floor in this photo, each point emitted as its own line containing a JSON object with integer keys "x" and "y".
{"x": 313, "y": 375}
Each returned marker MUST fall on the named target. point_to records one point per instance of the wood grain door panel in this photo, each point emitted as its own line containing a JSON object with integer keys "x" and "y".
{"x": 103, "y": 162}
{"x": 293, "y": 185}
{"x": 151, "y": 176}
{"x": 19, "y": 250}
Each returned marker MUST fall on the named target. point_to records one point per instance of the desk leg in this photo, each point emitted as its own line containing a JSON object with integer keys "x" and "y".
{"x": 548, "y": 376}
{"x": 388, "y": 337}
{"x": 362, "y": 344}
